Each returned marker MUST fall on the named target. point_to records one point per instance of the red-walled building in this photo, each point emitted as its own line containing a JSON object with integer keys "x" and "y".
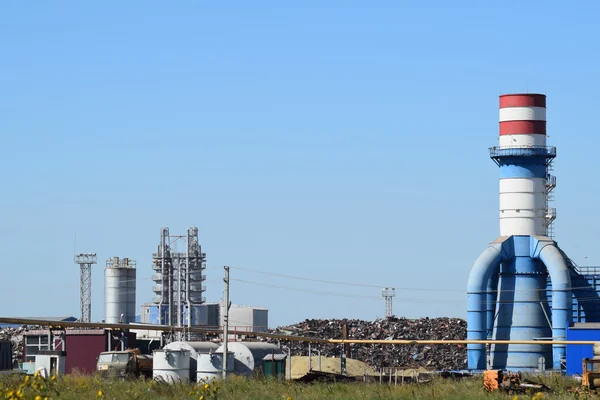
{"x": 82, "y": 346}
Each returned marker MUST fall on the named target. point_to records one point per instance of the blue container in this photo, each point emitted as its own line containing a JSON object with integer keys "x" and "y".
{"x": 577, "y": 352}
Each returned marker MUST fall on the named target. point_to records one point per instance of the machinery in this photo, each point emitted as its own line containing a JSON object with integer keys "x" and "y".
{"x": 590, "y": 378}
{"x": 122, "y": 364}
{"x": 511, "y": 382}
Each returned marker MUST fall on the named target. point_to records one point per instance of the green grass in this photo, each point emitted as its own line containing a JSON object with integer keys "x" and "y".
{"x": 82, "y": 387}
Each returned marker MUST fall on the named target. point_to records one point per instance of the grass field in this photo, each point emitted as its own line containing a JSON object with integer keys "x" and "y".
{"x": 81, "y": 387}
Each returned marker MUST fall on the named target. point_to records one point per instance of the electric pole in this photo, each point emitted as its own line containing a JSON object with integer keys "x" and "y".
{"x": 225, "y": 322}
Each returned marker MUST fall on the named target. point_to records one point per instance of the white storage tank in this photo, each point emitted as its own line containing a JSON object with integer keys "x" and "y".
{"x": 210, "y": 366}
{"x": 171, "y": 365}
{"x": 119, "y": 290}
{"x": 194, "y": 348}
{"x": 248, "y": 356}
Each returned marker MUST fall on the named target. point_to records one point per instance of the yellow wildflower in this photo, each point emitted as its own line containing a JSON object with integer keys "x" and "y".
{"x": 38, "y": 397}
{"x": 201, "y": 398}
{"x": 26, "y": 378}
{"x": 100, "y": 393}
{"x": 288, "y": 398}
{"x": 53, "y": 378}
{"x": 206, "y": 386}
{"x": 515, "y": 398}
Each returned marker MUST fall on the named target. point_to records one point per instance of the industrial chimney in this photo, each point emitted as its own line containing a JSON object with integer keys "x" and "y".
{"x": 507, "y": 285}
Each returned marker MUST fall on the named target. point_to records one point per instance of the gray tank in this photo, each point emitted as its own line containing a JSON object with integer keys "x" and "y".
{"x": 248, "y": 356}
{"x": 195, "y": 348}
{"x": 119, "y": 291}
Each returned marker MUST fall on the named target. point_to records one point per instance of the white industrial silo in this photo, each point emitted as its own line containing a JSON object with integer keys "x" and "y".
{"x": 119, "y": 290}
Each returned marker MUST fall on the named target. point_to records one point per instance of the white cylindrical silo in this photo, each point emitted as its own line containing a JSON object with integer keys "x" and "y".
{"x": 171, "y": 365}
{"x": 119, "y": 291}
{"x": 210, "y": 366}
{"x": 195, "y": 348}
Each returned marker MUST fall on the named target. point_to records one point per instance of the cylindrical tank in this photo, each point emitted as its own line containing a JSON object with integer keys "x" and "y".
{"x": 194, "y": 348}
{"x": 119, "y": 291}
{"x": 248, "y": 356}
{"x": 171, "y": 365}
{"x": 210, "y": 366}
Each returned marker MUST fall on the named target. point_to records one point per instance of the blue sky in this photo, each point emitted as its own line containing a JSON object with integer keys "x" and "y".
{"x": 339, "y": 140}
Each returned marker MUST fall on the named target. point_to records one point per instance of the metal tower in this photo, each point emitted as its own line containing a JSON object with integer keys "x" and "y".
{"x": 388, "y": 294}
{"x": 178, "y": 289}
{"x": 85, "y": 261}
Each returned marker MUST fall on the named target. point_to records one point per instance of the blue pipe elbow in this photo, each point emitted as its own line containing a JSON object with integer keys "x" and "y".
{"x": 477, "y": 287}
{"x": 561, "y": 298}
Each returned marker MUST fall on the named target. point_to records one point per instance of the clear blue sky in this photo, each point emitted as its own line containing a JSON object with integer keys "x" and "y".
{"x": 340, "y": 140}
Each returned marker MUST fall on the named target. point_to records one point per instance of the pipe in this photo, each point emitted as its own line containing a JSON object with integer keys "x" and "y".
{"x": 477, "y": 303}
{"x": 561, "y": 299}
{"x": 491, "y": 299}
{"x": 179, "y": 313}
{"x": 187, "y": 281}
{"x": 162, "y": 271}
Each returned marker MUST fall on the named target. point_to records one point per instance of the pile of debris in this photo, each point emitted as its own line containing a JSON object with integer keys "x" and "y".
{"x": 439, "y": 357}
{"x": 15, "y": 336}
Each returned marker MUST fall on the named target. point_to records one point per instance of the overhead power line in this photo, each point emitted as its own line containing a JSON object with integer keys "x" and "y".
{"x": 342, "y": 283}
{"x": 390, "y": 285}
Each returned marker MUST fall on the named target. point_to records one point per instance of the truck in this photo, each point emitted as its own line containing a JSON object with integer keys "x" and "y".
{"x": 124, "y": 364}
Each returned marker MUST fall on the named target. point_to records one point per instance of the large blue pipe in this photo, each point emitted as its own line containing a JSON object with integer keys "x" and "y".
{"x": 519, "y": 310}
{"x": 522, "y": 293}
{"x": 562, "y": 299}
{"x": 491, "y": 296}
{"x": 477, "y": 318}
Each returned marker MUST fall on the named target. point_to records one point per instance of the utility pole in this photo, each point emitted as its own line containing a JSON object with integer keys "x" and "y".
{"x": 225, "y": 322}
{"x": 85, "y": 261}
{"x": 388, "y": 294}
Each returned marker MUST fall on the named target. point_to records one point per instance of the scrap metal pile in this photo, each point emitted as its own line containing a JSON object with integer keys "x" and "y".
{"x": 439, "y": 357}
{"x": 15, "y": 335}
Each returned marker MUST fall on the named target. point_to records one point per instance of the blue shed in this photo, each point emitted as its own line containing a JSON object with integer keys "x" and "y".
{"x": 577, "y": 352}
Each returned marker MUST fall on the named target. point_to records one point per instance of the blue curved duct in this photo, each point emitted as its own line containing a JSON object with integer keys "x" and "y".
{"x": 562, "y": 299}
{"x": 477, "y": 318}
{"x": 519, "y": 265}
{"x": 522, "y": 293}
{"x": 491, "y": 297}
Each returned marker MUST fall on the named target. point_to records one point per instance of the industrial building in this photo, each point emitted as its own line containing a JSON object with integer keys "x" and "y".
{"x": 79, "y": 347}
{"x": 524, "y": 286}
{"x": 178, "y": 280}
{"x": 241, "y": 318}
{"x": 178, "y": 291}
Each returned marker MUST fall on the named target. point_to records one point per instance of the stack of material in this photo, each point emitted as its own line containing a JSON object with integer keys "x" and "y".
{"x": 15, "y": 335}
{"x": 300, "y": 366}
{"x": 439, "y": 357}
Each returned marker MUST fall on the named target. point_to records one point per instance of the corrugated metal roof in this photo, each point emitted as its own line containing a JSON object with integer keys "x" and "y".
{"x": 586, "y": 325}
{"x": 276, "y": 357}
{"x": 56, "y": 319}
{"x": 42, "y": 332}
